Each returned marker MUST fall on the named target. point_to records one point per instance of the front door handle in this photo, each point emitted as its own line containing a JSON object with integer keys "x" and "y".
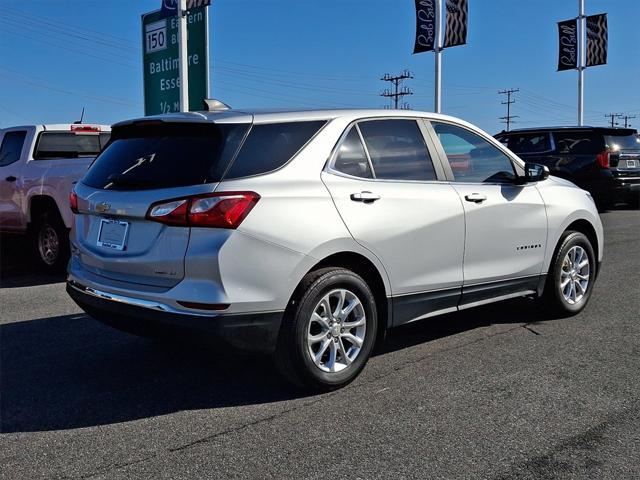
{"x": 366, "y": 197}
{"x": 11, "y": 178}
{"x": 475, "y": 198}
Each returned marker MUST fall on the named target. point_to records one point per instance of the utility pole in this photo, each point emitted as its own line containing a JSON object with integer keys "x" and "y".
{"x": 627, "y": 124}
{"x": 508, "y": 103}
{"x": 397, "y": 93}
{"x": 613, "y": 117}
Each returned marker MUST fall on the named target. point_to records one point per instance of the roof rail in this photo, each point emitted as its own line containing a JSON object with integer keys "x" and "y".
{"x": 213, "y": 105}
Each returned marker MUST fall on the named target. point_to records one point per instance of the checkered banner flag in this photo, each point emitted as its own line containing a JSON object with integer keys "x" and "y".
{"x": 597, "y": 38}
{"x": 455, "y": 32}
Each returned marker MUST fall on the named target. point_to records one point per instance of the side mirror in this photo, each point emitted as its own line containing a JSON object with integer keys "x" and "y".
{"x": 534, "y": 172}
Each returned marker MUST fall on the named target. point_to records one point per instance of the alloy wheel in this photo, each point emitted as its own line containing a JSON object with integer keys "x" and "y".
{"x": 336, "y": 330}
{"x": 574, "y": 275}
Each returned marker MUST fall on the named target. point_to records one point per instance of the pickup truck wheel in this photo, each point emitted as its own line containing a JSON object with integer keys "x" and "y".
{"x": 51, "y": 242}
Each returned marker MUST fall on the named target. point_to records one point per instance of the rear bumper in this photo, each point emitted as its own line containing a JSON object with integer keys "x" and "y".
{"x": 254, "y": 332}
{"x": 612, "y": 186}
{"x": 626, "y": 186}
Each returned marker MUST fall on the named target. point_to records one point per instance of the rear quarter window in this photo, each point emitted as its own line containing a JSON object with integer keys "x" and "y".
{"x": 270, "y": 146}
{"x": 579, "y": 143}
{"x": 528, "y": 142}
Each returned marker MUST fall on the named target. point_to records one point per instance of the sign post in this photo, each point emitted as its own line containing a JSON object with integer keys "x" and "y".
{"x": 183, "y": 56}
{"x": 164, "y": 65}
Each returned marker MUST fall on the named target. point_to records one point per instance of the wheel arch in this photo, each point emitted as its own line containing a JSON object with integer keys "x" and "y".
{"x": 371, "y": 274}
{"x": 585, "y": 227}
{"x": 38, "y": 204}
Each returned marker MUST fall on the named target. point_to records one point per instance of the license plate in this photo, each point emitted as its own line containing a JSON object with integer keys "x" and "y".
{"x": 113, "y": 234}
{"x": 631, "y": 164}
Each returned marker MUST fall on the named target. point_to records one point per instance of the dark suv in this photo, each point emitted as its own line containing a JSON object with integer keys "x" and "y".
{"x": 603, "y": 161}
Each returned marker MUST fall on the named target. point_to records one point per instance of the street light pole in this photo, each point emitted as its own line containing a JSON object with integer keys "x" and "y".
{"x": 437, "y": 102}
{"x": 582, "y": 34}
{"x": 183, "y": 56}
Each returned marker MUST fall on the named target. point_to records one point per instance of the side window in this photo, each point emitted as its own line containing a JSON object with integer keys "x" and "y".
{"x": 397, "y": 150}
{"x": 11, "y": 147}
{"x": 472, "y": 158}
{"x": 579, "y": 143}
{"x": 269, "y": 146}
{"x": 351, "y": 157}
{"x": 529, "y": 143}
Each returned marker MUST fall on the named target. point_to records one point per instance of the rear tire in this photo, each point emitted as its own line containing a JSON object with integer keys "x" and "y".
{"x": 571, "y": 276}
{"x": 328, "y": 331}
{"x": 50, "y": 239}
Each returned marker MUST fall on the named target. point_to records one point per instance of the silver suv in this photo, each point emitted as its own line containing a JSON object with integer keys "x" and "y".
{"x": 308, "y": 234}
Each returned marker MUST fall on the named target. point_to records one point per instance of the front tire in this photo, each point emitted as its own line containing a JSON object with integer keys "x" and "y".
{"x": 571, "y": 278}
{"x": 328, "y": 331}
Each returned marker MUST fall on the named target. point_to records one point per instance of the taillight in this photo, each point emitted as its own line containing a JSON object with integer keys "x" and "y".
{"x": 215, "y": 210}
{"x": 73, "y": 202}
{"x": 603, "y": 159}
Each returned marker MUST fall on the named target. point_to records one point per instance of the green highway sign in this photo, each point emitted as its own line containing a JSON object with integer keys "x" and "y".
{"x": 161, "y": 61}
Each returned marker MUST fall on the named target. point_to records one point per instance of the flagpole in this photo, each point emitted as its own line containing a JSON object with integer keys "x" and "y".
{"x": 437, "y": 103}
{"x": 581, "y": 61}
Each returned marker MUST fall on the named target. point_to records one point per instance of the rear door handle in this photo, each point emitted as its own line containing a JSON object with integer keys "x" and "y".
{"x": 366, "y": 197}
{"x": 475, "y": 198}
{"x": 11, "y": 178}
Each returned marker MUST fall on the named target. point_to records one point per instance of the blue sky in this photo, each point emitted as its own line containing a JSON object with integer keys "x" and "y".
{"x": 58, "y": 56}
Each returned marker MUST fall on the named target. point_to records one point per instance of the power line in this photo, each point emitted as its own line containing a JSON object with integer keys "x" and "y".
{"x": 613, "y": 117}
{"x": 397, "y": 93}
{"x": 508, "y": 103}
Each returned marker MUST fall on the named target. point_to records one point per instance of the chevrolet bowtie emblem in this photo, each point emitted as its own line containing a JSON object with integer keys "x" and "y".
{"x": 102, "y": 207}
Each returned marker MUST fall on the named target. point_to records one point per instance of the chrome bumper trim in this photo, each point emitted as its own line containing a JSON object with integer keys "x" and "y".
{"x": 135, "y": 302}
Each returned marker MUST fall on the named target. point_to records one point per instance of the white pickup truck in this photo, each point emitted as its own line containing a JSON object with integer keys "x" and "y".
{"x": 39, "y": 164}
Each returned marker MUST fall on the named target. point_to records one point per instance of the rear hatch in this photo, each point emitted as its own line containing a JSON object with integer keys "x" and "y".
{"x": 624, "y": 152}
{"x": 145, "y": 163}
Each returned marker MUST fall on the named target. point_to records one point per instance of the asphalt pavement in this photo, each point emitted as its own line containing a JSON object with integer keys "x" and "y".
{"x": 500, "y": 392}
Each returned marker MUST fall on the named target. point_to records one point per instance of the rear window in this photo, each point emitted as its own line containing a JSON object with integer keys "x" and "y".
{"x": 622, "y": 142}
{"x": 269, "y": 146}
{"x": 51, "y": 145}
{"x": 164, "y": 155}
{"x": 528, "y": 142}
